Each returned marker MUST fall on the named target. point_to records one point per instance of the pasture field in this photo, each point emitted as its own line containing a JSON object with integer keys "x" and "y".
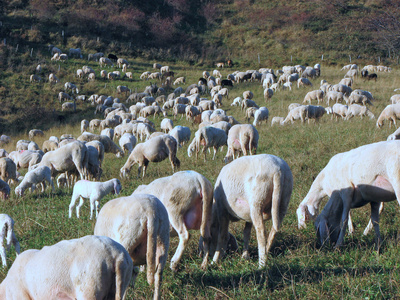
{"x": 295, "y": 267}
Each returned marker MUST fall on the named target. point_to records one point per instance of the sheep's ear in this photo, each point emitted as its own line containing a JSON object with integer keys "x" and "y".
{"x": 322, "y": 231}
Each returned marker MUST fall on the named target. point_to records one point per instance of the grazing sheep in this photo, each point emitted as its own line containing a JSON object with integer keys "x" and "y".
{"x": 314, "y": 95}
{"x": 105, "y": 61}
{"x": 4, "y": 190}
{"x": 68, "y": 106}
{"x": 303, "y": 82}
{"x": 342, "y": 88}
{"x": 34, "y": 177}
{"x": 347, "y": 81}
{"x": 67, "y": 158}
{"x": 53, "y": 79}
{"x": 246, "y": 103}
{"x": 94, "y": 191}
{"x": 140, "y": 224}
{"x": 67, "y": 270}
{"x": 248, "y": 95}
{"x": 277, "y": 120}
{"x": 339, "y": 110}
{"x": 34, "y": 133}
{"x": 25, "y": 158}
{"x": 264, "y": 192}
{"x": 181, "y": 134}
{"x": 144, "y": 131}
{"x": 297, "y": 113}
{"x": 207, "y": 137}
{"x": 367, "y": 174}
{"x": 242, "y": 137}
{"x": 153, "y": 150}
{"x": 8, "y": 170}
{"x": 72, "y": 87}
{"x": 166, "y": 125}
{"x": 127, "y": 142}
{"x": 314, "y": 112}
{"x": 268, "y": 93}
{"x": 108, "y": 132}
{"x": 179, "y": 80}
{"x": 391, "y": 113}
{"x": 334, "y": 96}
{"x": 94, "y": 123}
{"x": 35, "y": 78}
{"x": 358, "y": 110}
{"x": 7, "y": 233}
{"x": 237, "y": 102}
{"x": 260, "y": 115}
{"x": 84, "y": 125}
{"x": 187, "y": 196}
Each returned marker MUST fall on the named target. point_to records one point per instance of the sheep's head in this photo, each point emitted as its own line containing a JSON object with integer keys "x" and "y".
{"x": 303, "y": 215}
{"x": 117, "y": 186}
{"x": 124, "y": 172}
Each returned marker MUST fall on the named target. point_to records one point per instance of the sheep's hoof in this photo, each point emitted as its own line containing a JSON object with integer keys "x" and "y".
{"x": 246, "y": 255}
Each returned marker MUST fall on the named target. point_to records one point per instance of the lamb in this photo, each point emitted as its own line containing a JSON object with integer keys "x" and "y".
{"x": 153, "y": 150}
{"x": 260, "y": 115}
{"x": 127, "y": 142}
{"x": 264, "y": 193}
{"x": 351, "y": 73}
{"x": 347, "y": 81}
{"x": 277, "y": 120}
{"x": 181, "y": 134}
{"x": 56, "y": 272}
{"x": 207, "y": 137}
{"x": 67, "y": 158}
{"x": 242, "y": 137}
{"x": 297, "y": 113}
{"x": 391, "y": 113}
{"x": 34, "y": 177}
{"x": 140, "y": 224}
{"x": 7, "y": 233}
{"x": 314, "y": 95}
{"x": 8, "y": 170}
{"x": 187, "y": 196}
{"x": 358, "y": 99}
{"x": 94, "y": 191}
{"x": 250, "y": 113}
{"x": 166, "y": 125}
{"x": 367, "y": 174}
{"x": 287, "y": 85}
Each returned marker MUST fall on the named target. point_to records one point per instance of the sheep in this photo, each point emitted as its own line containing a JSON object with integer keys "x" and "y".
{"x": 3, "y": 153}
{"x": 334, "y": 96}
{"x": 395, "y": 135}
{"x": 264, "y": 193}
{"x": 57, "y": 271}
{"x": 105, "y": 61}
{"x": 179, "y": 109}
{"x": 339, "y": 110}
{"x": 4, "y": 139}
{"x": 153, "y": 150}
{"x": 207, "y": 104}
{"x": 67, "y": 158}
{"x": 248, "y": 95}
{"x": 8, "y": 170}
{"x": 94, "y": 123}
{"x": 367, "y": 174}
{"x": 207, "y": 137}
{"x": 153, "y": 110}
{"x": 250, "y": 113}
{"x": 287, "y": 85}
{"x": 187, "y": 196}
{"x": 144, "y": 130}
{"x": 109, "y": 145}
{"x": 241, "y": 137}
{"x": 142, "y": 227}
{"x": 277, "y": 120}
{"x": 358, "y": 110}
{"x": 314, "y": 112}
{"x": 351, "y": 73}
{"x": 293, "y": 77}
{"x": 127, "y": 142}
{"x": 84, "y": 125}
{"x": 94, "y": 191}
{"x": 314, "y": 95}
{"x": 72, "y": 87}
{"x": 68, "y": 106}
{"x": 35, "y": 78}
{"x": 347, "y": 81}
{"x": 260, "y": 115}
{"x": 310, "y": 72}
{"x": 7, "y": 233}
{"x": 108, "y": 132}
{"x": 34, "y": 177}
{"x": 181, "y": 134}
{"x": 25, "y": 158}
{"x": 4, "y": 190}
{"x": 268, "y": 93}
{"x": 246, "y": 103}
{"x": 179, "y": 80}
{"x": 296, "y": 113}
{"x": 155, "y": 75}
{"x": 365, "y": 93}
{"x": 145, "y": 75}
{"x": 358, "y": 99}
{"x": 75, "y": 52}
{"x": 303, "y": 82}
{"x": 237, "y": 102}
{"x": 34, "y": 133}
{"x": 53, "y": 79}
{"x": 342, "y": 88}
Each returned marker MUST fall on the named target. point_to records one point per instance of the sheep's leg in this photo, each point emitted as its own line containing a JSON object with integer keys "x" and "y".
{"x": 72, "y": 204}
{"x": 215, "y": 152}
{"x": 347, "y": 197}
{"x": 258, "y": 222}
{"x": 15, "y": 242}
{"x": 183, "y": 239}
{"x": 375, "y": 207}
{"x": 246, "y": 239}
{"x": 79, "y": 207}
{"x": 222, "y": 236}
{"x": 97, "y": 206}
{"x": 369, "y": 226}
{"x": 3, "y": 253}
{"x": 92, "y": 207}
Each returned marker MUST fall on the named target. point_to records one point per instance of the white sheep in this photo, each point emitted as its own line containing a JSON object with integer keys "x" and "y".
{"x": 303, "y": 82}
{"x": 297, "y": 113}
{"x": 53, "y": 78}
{"x": 7, "y": 233}
{"x": 166, "y": 125}
{"x": 355, "y": 110}
{"x": 241, "y": 138}
{"x": 105, "y": 61}
{"x": 94, "y": 191}
{"x": 35, "y": 78}
{"x": 268, "y": 93}
{"x": 179, "y": 80}
{"x": 339, "y": 110}
{"x": 335, "y": 97}
{"x": 127, "y": 142}
{"x": 140, "y": 224}
{"x": 8, "y": 170}
{"x": 35, "y": 132}
{"x": 391, "y": 113}
{"x": 237, "y": 102}
{"x": 260, "y": 115}
{"x": 4, "y": 190}
{"x": 181, "y": 134}
{"x": 92, "y": 267}
{"x": 314, "y": 95}
{"x": 187, "y": 196}
{"x": 153, "y": 150}
{"x": 277, "y": 120}
{"x": 34, "y": 177}
{"x": 264, "y": 192}
{"x": 367, "y": 174}
{"x": 207, "y": 137}
{"x": 287, "y": 85}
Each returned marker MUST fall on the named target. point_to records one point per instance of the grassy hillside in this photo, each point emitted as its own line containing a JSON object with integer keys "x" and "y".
{"x": 295, "y": 267}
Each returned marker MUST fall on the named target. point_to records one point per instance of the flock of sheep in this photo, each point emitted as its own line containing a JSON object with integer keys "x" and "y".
{"x": 249, "y": 187}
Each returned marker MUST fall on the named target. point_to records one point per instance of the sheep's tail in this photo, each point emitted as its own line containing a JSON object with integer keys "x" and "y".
{"x": 9, "y": 236}
{"x": 206, "y": 193}
{"x": 152, "y": 225}
{"x": 277, "y": 211}
{"x": 122, "y": 273}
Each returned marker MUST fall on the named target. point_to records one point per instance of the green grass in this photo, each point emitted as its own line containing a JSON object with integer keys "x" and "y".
{"x": 295, "y": 267}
